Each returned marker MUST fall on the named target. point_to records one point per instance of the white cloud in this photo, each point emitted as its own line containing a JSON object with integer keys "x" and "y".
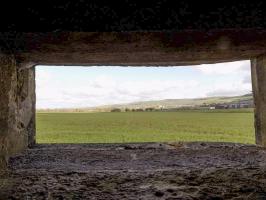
{"x": 225, "y": 68}
{"x": 112, "y": 92}
{"x": 107, "y": 90}
{"x": 228, "y": 89}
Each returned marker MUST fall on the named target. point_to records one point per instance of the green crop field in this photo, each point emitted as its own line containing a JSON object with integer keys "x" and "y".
{"x": 223, "y": 126}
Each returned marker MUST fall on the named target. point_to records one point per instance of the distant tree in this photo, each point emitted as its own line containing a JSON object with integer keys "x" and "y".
{"x": 139, "y": 110}
{"x": 149, "y": 109}
{"x": 127, "y": 110}
{"x": 116, "y": 110}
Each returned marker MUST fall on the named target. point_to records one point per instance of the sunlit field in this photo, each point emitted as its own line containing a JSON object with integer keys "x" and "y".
{"x": 222, "y": 126}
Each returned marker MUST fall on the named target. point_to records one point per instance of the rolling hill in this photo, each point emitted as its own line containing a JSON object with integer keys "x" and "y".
{"x": 166, "y": 103}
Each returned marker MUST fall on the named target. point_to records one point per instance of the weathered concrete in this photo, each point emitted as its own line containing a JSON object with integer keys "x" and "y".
{"x": 140, "y": 48}
{"x": 8, "y": 106}
{"x": 138, "y": 171}
{"x": 17, "y": 97}
{"x": 26, "y": 103}
{"x": 258, "y": 73}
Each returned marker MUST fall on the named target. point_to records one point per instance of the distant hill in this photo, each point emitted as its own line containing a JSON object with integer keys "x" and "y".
{"x": 166, "y": 103}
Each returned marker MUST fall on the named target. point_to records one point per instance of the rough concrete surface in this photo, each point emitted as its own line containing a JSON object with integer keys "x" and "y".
{"x": 159, "y": 48}
{"x": 258, "y": 74}
{"x": 137, "y": 171}
{"x": 17, "y": 107}
{"x": 9, "y": 133}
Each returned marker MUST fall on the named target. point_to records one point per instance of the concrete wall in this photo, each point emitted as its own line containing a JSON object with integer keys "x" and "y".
{"x": 26, "y": 100}
{"x": 17, "y": 100}
{"x": 258, "y": 71}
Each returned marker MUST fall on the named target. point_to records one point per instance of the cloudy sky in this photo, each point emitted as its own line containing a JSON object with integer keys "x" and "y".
{"x": 74, "y": 87}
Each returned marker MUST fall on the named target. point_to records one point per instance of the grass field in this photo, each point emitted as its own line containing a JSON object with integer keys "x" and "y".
{"x": 225, "y": 126}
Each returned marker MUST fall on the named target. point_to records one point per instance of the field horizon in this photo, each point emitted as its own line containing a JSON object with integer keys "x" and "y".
{"x": 166, "y": 103}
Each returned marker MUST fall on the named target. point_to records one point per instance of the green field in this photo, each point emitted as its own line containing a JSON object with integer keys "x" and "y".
{"x": 225, "y": 126}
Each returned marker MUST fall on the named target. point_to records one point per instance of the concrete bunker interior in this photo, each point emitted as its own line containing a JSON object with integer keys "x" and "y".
{"x": 161, "y": 33}
{"x": 18, "y": 117}
{"x": 147, "y": 48}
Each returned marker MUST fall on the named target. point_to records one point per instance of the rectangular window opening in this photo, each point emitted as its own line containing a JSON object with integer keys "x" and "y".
{"x": 112, "y": 104}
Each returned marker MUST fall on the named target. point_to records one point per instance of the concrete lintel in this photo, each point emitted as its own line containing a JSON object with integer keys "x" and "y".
{"x": 140, "y": 48}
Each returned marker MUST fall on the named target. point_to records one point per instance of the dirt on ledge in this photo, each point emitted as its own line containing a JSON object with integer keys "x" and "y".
{"x": 137, "y": 171}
